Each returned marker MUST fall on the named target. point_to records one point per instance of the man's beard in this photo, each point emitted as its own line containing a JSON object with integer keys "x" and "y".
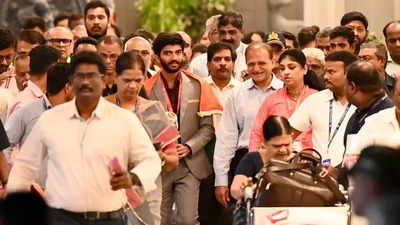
{"x": 165, "y": 66}
{"x": 97, "y": 36}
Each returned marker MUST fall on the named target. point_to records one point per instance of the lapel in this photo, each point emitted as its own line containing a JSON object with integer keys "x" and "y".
{"x": 159, "y": 93}
{"x": 185, "y": 95}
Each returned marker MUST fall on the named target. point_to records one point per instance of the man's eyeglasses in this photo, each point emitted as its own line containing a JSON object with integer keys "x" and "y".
{"x": 60, "y": 41}
{"x": 141, "y": 52}
{"x": 8, "y": 57}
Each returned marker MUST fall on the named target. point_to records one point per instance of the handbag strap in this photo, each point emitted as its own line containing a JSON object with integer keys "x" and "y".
{"x": 332, "y": 185}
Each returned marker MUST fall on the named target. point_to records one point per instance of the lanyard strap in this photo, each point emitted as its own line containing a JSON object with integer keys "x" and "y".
{"x": 169, "y": 104}
{"x": 372, "y": 108}
{"x": 330, "y": 139}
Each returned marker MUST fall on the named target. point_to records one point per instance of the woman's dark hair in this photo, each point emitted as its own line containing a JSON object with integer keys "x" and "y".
{"x": 129, "y": 60}
{"x": 89, "y": 58}
{"x": 294, "y": 54}
{"x": 310, "y": 78}
{"x": 276, "y": 126}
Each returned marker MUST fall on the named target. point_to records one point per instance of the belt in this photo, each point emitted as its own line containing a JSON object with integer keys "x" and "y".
{"x": 112, "y": 215}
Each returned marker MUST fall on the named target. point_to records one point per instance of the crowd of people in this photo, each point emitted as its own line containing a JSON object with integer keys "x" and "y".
{"x": 156, "y": 129}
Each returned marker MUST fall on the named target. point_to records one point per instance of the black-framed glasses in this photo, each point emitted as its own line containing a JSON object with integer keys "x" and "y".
{"x": 60, "y": 41}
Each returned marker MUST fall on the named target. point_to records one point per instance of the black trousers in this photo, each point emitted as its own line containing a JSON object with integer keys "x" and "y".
{"x": 211, "y": 212}
{"x": 62, "y": 217}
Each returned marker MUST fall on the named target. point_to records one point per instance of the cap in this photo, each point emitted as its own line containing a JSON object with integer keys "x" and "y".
{"x": 276, "y": 38}
{"x": 378, "y": 162}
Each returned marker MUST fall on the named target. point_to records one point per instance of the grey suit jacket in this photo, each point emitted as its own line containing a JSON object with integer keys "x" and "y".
{"x": 195, "y": 131}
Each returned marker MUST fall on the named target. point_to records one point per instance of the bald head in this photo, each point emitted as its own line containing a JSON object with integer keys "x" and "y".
{"x": 142, "y": 47}
{"x": 365, "y": 76}
{"x": 257, "y": 46}
{"x": 79, "y": 31}
{"x": 61, "y": 38}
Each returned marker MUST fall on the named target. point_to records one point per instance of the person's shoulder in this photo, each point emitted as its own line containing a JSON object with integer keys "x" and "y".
{"x": 199, "y": 59}
{"x": 323, "y": 95}
{"x": 252, "y": 156}
{"x": 381, "y": 116}
{"x": 111, "y": 98}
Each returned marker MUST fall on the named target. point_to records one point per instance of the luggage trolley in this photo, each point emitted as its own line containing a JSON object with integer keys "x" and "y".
{"x": 335, "y": 215}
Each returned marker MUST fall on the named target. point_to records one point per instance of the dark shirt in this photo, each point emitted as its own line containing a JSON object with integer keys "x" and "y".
{"x": 357, "y": 120}
{"x": 110, "y": 91}
{"x": 250, "y": 165}
{"x": 4, "y": 143}
{"x": 173, "y": 93}
{"x": 389, "y": 83}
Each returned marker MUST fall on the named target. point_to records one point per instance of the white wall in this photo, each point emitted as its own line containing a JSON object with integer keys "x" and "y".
{"x": 329, "y": 12}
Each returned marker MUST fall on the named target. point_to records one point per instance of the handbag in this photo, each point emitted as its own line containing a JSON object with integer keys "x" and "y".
{"x": 300, "y": 182}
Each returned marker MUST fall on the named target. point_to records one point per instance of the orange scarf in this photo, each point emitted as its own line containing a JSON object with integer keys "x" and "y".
{"x": 209, "y": 103}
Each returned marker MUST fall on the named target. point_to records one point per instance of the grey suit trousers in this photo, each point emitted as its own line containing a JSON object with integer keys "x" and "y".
{"x": 181, "y": 187}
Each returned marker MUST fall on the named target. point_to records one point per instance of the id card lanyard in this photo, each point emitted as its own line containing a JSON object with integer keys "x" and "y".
{"x": 330, "y": 139}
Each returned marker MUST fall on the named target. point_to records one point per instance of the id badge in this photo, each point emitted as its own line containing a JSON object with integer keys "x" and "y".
{"x": 326, "y": 162}
{"x": 173, "y": 118}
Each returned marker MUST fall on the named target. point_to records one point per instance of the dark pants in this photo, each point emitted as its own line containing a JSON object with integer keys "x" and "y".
{"x": 62, "y": 217}
{"x": 210, "y": 211}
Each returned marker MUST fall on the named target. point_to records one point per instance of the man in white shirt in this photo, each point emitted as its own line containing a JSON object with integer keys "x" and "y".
{"x": 84, "y": 141}
{"x": 230, "y": 29}
{"x": 327, "y": 111}
{"x": 240, "y": 110}
{"x": 40, "y": 60}
{"x": 392, "y": 34}
{"x": 221, "y": 61}
{"x": 382, "y": 128}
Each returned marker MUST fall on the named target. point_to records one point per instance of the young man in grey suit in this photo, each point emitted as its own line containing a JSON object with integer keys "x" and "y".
{"x": 190, "y": 102}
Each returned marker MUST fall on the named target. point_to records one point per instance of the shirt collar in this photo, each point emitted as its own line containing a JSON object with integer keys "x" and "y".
{"x": 274, "y": 85}
{"x": 98, "y": 112}
{"x": 232, "y": 82}
{"x": 36, "y": 91}
{"x": 241, "y": 48}
{"x": 46, "y": 102}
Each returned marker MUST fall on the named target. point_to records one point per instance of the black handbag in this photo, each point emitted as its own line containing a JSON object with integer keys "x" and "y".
{"x": 301, "y": 182}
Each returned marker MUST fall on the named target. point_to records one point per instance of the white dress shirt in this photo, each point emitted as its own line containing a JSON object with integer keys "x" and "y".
{"x": 31, "y": 93}
{"x": 233, "y": 133}
{"x": 6, "y": 102}
{"x": 392, "y": 68}
{"x": 381, "y": 128}
{"x": 79, "y": 152}
{"x": 221, "y": 94}
{"x": 199, "y": 67}
{"x": 314, "y": 111}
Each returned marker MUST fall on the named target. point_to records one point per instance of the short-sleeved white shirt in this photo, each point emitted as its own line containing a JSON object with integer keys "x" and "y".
{"x": 381, "y": 128}
{"x": 314, "y": 111}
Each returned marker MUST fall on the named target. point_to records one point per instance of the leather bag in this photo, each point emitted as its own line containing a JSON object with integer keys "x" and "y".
{"x": 301, "y": 182}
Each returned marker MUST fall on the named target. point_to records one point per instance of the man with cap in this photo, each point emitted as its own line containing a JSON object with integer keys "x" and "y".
{"x": 278, "y": 44}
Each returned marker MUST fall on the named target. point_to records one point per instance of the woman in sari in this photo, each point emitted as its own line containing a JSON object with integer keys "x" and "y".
{"x": 131, "y": 75}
